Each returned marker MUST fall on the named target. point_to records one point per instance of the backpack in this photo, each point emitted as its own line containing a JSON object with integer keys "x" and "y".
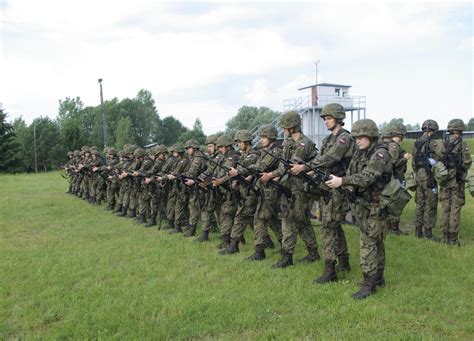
{"x": 394, "y": 197}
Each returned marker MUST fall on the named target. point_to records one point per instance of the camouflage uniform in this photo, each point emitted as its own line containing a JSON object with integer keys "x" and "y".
{"x": 143, "y": 194}
{"x": 198, "y": 164}
{"x": 369, "y": 172}
{"x": 426, "y": 197}
{"x": 168, "y": 198}
{"x": 181, "y": 191}
{"x": 153, "y": 188}
{"x": 124, "y": 184}
{"x": 295, "y": 213}
{"x": 457, "y": 159}
{"x": 112, "y": 183}
{"x": 334, "y": 157}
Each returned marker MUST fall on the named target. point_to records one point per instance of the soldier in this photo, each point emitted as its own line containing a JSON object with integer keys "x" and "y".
{"x": 136, "y": 179}
{"x": 126, "y": 180}
{"x": 122, "y": 180}
{"x": 168, "y": 198}
{"x": 159, "y": 158}
{"x": 210, "y": 205}
{"x": 94, "y": 182}
{"x": 392, "y": 138}
{"x": 370, "y": 170}
{"x": 295, "y": 218}
{"x": 248, "y": 199}
{"x": 67, "y": 167}
{"x": 334, "y": 157}
{"x": 226, "y": 188}
{"x": 84, "y": 169}
{"x": 112, "y": 183}
{"x": 198, "y": 164}
{"x": 457, "y": 159}
{"x": 426, "y": 152}
{"x": 143, "y": 193}
{"x": 267, "y": 204}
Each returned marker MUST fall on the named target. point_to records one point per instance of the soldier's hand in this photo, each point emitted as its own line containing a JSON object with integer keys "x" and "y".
{"x": 159, "y": 178}
{"x": 266, "y": 177}
{"x": 135, "y": 173}
{"x": 216, "y": 182}
{"x": 233, "y": 172}
{"x": 109, "y": 167}
{"x": 297, "y": 169}
{"x": 95, "y": 169}
{"x": 249, "y": 178}
{"x": 334, "y": 181}
{"x": 235, "y": 183}
{"x": 407, "y": 156}
{"x": 189, "y": 182}
{"x": 171, "y": 177}
{"x": 147, "y": 181}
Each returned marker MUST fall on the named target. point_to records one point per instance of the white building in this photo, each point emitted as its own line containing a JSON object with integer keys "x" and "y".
{"x": 311, "y": 105}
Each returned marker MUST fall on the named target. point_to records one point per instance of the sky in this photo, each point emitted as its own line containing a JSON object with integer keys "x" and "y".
{"x": 206, "y": 60}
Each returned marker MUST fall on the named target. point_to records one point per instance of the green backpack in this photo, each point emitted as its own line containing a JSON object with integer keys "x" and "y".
{"x": 394, "y": 197}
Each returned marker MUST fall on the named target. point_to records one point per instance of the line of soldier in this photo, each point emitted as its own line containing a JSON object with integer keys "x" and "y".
{"x": 275, "y": 186}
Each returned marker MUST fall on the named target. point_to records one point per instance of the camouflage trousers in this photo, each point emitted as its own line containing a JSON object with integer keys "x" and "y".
{"x": 244, "y": 215}
{"x": 101, "y": 189}
{"x": 426, "y": 200}
{"x": 144, "y": 201}
{"x": 195, "y": 202}
{"x": 113, "y": 189}
{"x": 267, "y": 215}
{"x": 295, "y": 220}
{"x": 227, "y": 212}
{"x": 85, "y": 187}
{"x": 209, "y": 208}
{"x": 134, "y": 194}
{"x": 170, "y": 205}
{"x": 125, "y": 193}
{"x": 181, "y": 217}
{"x": 333, "y": 237}
{"x": 372, "y": 237}
{"x": 452, "y": 199}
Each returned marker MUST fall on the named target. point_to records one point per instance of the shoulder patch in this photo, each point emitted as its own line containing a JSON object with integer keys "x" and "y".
{"x": 342, "y": 141}
{"x": 394, "y": 146}
{"x": 380, "y": 155}
{"x": 301, "y": 144}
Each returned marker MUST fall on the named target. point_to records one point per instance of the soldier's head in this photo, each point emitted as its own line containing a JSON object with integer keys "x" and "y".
{"x": 333, "y": 115}
{"x": 224, "y": 144}
{"x": 87, "y": 151}
{"x": 161, "y": 151}
{"x": 268, "y": 134}
{"x": 456, "y": 127}
{"x": 365, "y": 132}
{"x": 111, "y": 152}
{"x": 429, "y": 127}
{"x": 291, "y": 123}
{"x": 95, "y": 154}
{"x": 178, "y": 150}
{"x": 398, "y": 132}
{"x": 77, "y": 153}
{"x": 191, "y": 146}
{"x": 386, "y": 134}
{"x": 139, "y": 153}
{"x": 244, "y": 139}
{"x": 70, "y": 154}
{"x": 211, "y": 141}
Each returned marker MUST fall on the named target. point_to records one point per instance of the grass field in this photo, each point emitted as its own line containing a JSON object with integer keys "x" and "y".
{"x": 71, "y": 270}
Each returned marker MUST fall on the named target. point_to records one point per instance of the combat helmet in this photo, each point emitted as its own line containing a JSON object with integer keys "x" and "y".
{"x": 429, "y": 125}
{"x": 335, "y": 110}
{"x": 268, "y": 131}
{"x": 386, "y": 132}
{"x": 211, "y": 139}
{"x": 365, "y": 127}
{"x": 70, "y": 153}
{"x": 243, "y": 135}
{"x": 178, "y": 147}
{"x": 456, "y": 124}
{"x": 85, "y": 149}
{"x": 399, "y": 129}
{"x": 95, "y": 152}
{"x": 290, "y": 119}
{"x": 192, "y": 143}
{"x": 77, "y": 152}
{"x": 139, "y": 152}
{"x": 224, "y": 141}
{"x": 111, "y": 151}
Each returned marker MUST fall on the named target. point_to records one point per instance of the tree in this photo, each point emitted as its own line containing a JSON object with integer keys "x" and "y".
{"x": 24, "y": 138}
{"x": 395, "y": 121}
{"x": 124, "y": 132}
{"x": 10, "y": 160}
{"x": 172, "y": 129}
{"x": 49, "y": 149}
{"x": 470, "y": 125}
{"x": 195, "y": 133}
{"x": 250, "y": 118}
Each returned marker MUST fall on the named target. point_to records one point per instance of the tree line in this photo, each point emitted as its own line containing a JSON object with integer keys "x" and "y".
{"x": 130, "y": 120}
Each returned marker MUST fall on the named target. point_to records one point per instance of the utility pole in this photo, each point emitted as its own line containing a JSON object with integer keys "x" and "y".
{"x": 34, "y": 144}
{"x": 316, "y": 63}
{"x": 102, "y": 115}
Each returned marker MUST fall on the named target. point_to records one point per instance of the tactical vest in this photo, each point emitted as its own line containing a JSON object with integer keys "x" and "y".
{"x": 339, "y": 168}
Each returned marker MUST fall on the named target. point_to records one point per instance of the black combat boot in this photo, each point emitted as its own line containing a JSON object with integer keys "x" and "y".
{"x": 224, "y": 244}
{"x": 453, "y": 239}
{"x": 286, "y": 260}
{"x": 379, "y": 278}
{"x": 232, "y": 248}
{"x": 140, "y": 219}
{"x": 395, "y": 229}
{"x": 123, "y": 212}
{"x": 269, "y": 243}
{"x": 109, "y": 207}
{"x": 118, "y": 209}
{"x": 428, "y": 234}
{"x": 259, "y": 253}
{"x": 152, "y": 221}
{"x": 343, "y": 263}
{"x": 367, "y": 288}
{"x": 329, "y": 274}
{"x": 204, "y": 237}
{"x": 418, "y": 232}
{"x": 191, "y": 232}
{"x": 133, "y": 213}
{"x": 312, "y": 256}
{"x": 177, "y": 229}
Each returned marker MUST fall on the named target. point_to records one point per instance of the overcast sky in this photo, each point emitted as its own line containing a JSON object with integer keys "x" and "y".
{"x": 207, "y": 59}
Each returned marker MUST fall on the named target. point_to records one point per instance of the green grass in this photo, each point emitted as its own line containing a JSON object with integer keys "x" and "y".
{"x": 71, "y": 270}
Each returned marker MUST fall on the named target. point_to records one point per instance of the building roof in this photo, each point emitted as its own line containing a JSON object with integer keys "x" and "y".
{"x": 327, "y": 84}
